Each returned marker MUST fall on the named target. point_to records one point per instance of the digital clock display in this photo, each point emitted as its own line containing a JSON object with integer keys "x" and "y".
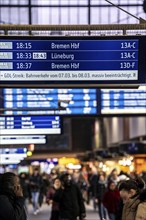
{"x": 73, "y": 60}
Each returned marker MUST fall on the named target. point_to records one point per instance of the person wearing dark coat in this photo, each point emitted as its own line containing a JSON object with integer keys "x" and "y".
{"x": 11, "y": 198}
{"x": 36, "y": 182}
{"x": 92, "y": 180}
{"x": 69, "y": 197}
{"x": 100, "y": 189}
{"x": 120, "y": 210}
{"x": 25, "y": 187}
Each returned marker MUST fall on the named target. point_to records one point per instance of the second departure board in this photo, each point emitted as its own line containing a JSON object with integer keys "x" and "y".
{"x": 74, "y": 101}
{"x": 120, "y": 101}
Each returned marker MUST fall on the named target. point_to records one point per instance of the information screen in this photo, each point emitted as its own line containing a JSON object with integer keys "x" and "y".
{"x": 30, "y": 125}
{"x": 76, "y": 101}
{"x": 73, "y": 60}
{"x": 13, "y": 150}
{"x": 72, "y": 102}
{"x": 119, "y": 101}
{"x": 22, "y": 139}
{"x": 12, "y": 155}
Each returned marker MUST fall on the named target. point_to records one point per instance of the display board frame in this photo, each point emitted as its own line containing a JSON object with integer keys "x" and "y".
{"x": 83, "y": 83}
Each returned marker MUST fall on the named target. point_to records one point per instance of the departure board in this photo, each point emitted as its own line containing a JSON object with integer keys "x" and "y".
{"x": 119, "y": 101}
{"x": 30, "y": 125}
{"x": 75, "y": 101}
{"x": 74, "y": 60}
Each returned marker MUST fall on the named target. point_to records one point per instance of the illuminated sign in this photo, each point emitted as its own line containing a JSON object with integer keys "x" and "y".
{"x": 74, "y": 60}
{"x": 18, "y": 139}
{"x": 123, "y": 101}
{"x": 30, "y": 125}
{"x": 75, "y": 101}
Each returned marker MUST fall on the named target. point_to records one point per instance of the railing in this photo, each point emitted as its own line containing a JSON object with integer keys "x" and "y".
{"x": 113, "y": 29}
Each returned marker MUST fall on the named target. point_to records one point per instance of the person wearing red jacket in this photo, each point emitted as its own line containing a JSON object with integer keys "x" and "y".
{"x": 50, "y": 201}
{"x": 111, "y": 200}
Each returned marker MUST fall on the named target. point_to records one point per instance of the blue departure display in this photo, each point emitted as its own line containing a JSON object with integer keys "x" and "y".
{"x": 72, "y": 101}
{"x": 70, "y": 60}
{"x": 50, "y": 101}
{"x": 13, "y": 150}
{"x": 120, "y": 101}
{"x": 30, "y": 125}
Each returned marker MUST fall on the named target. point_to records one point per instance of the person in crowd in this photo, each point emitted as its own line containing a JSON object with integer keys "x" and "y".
{"x": 143, "y": 176}
{"x": 120, "y": 210}
{"x": 50, "y": 201}
{"x": 35, "y": 186}
{"x": 11, "y": 198}
{"x": 43, "y": 189}
{"x": 92, "y": 180}
{"x": 141, "y": 210}
{"x": 82, "y": 182}
{"x": 69, "y": 197}
{"x": 114, "y": 177}
{"x": 123, "y": 176}
{"x": 111, "y": 200}
{"x": 100, "y": 189}
{"x": 25, "y": 187}
{"x": 129, "y": 192}
{"x": 133, "y": 175}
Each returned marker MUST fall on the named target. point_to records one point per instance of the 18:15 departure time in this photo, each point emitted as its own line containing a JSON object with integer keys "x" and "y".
{"x": 23, "y": 45}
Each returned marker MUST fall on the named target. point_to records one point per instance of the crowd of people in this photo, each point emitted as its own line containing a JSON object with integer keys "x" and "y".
{"x": 114, "y": 197}
{"x": 119, "y": 196}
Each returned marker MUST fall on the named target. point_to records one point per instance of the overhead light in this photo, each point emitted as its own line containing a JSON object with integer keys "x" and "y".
{"x": 29, "y": 153}
{"x": 55, "y": 160}
{"x": 73, "y": 166}
{"x": 35, "y": 163}
{"x": 51, "y": 165}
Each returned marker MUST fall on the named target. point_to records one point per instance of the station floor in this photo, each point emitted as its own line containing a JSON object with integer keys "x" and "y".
{"x": 44, "y": 213}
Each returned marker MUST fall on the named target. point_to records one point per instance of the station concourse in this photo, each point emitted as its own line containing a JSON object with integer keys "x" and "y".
{"x": 72, "y": 101}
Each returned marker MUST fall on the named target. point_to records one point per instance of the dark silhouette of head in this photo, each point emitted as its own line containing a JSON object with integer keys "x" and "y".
{"x": 137, "y": 185}
{"x": 65, "y": 179}
{"x": 8, "y": 182}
